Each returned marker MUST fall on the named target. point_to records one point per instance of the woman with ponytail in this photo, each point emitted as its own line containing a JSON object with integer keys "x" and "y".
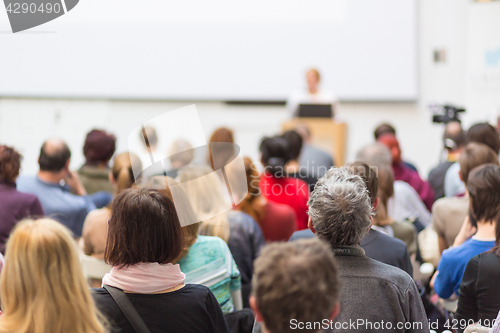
{"x": 382, "y": 221}
{"x": 14, "y": 205}
{"x": 276, "y": 186}
{"x": 96, "y": 223}
{"x": 241, "y": 233}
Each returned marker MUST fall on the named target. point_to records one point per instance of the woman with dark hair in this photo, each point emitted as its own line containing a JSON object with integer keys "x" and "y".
{"x": 95, "y": 227}
{"x": 144, "y": 238}
{"x": 276, "y": 185}
{"x": 478, "y": 296}
{"x": 98, "y": 149}
{"x": 14, "y": 205}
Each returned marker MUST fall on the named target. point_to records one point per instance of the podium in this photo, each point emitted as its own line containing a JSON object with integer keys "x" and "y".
{"x": 326, "y": 134}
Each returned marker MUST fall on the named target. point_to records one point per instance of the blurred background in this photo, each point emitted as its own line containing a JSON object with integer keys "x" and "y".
{"x": 115, "y": 64}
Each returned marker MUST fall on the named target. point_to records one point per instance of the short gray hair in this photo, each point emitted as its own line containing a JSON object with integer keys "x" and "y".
{"x": 339, "y": 208}
{"x": 375, "y": 154}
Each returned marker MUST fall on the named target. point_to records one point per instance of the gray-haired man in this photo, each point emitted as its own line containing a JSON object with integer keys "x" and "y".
{"x": 375, "y": 297}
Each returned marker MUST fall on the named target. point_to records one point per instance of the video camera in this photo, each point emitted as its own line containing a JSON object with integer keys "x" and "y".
{"x": 443, "y": 114}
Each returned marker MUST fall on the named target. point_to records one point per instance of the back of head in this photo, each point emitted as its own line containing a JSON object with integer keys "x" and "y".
{"x": 385, "y": 191}
{"x": 275, "y": 155}
{"x": 369, "y": 176}
{"x": 54, "y": 155}
{"x": 144, "y": 227}
{"x": 295, "y": 281}
{"x": 204, "y": 190}
{"x": 384, "y": 129}
{"x": 123, "y": 168}
{"x": 484, "y": 192}
{"x": 185, "y": 212}
{"x": 375, "y": 154}
{"x": 391, "y": 142}
{"x": 486, "y": 134}
{"x": 99, "y": 147}
{"x": 253, "y": 180}
{"x": 180, "y": 153}
{"x": 339, "y": 207}
{"x": 294, "y": 144}
{"x": 474, "y": 155}
{"x": 10, "y": 164}
{"x": 223, "y": 152}
{"x": 454, "y": 136}
{"x": 149, "y": 136}
{"x": 42, "y": 284}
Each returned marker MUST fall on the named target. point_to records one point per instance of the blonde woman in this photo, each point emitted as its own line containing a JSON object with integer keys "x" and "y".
{"x": 242, "y": 234}
{"x": 42, "y": 285}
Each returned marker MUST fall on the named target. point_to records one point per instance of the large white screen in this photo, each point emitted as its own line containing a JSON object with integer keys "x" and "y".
{"x": 215, "y": 50}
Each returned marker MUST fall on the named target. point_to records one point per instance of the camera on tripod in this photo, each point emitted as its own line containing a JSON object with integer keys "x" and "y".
{"x": 443, "y": 114}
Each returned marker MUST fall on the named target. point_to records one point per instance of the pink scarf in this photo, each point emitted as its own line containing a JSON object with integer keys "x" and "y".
{"x": 145, "y": 278}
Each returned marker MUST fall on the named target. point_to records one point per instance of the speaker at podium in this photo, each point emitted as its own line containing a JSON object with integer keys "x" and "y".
{"x": 326, "y": 133}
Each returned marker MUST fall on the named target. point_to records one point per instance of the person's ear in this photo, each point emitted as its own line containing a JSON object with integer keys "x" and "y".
{"x": 310, "y": 225}
{"x": 460, "y": 175}
{"x": 67, "y": 164}
{"x": 253, "y": 304}
{"x": 335, "y": 311}
{"x": 375, "y": 204}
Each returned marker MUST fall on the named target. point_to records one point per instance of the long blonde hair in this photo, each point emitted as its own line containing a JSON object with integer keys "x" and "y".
{"x": 42, "y": 285}
{"x": 207, "y": 200}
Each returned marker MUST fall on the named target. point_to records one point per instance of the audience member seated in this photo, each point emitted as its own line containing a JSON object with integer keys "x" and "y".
{"x": 207, "y": 260}
{"x": 180, "y": 154}
{"x": 454, "y": 140}
{"x": 315, "y": 160}
{"x": 448, "y": 214}
{"x": 402, "y": 172}
{"x": 406, "y": 203}
{"x": 377, "y": 245}
{"x": 277, "y": 221}
{"x": 224, "y": 153}
{"x": 42, "y": 284}
{"x": 296, "y": 287}
{"x": 69, "y": 203}
{"x": 481, "y": 133}
{"x": 389, "y": 129}
{"x": 276, "y": 186}
{"x": 478, "y": 296}
{"x": 383, "y": 222}
{"x": 98, "y": 149}
{"x": 292, "y": 168}
{"x": 14, "y": 205}
{"x": 372, "y": 291}
{"x": 241, "y": 233}
{"x": 144, "y": 238}
{"x": 95, "y": 227}
{"x": 481, "y": 185}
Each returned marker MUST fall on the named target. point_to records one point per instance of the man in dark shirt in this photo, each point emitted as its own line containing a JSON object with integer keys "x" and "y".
{"x": 377, "y": 245}
{"x": 454, "y": 140}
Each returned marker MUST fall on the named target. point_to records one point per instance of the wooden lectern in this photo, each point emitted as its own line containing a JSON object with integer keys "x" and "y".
{"x": 326, "y": 134}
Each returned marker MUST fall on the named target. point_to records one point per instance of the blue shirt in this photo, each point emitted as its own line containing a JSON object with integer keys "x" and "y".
{"x": 58, "y": 202}
{"x": 452, "y": 265}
